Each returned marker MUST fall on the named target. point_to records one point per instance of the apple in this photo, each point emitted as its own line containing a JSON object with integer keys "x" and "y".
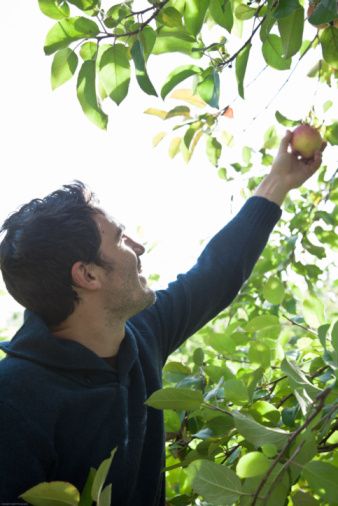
{"x": 306, "y": 140}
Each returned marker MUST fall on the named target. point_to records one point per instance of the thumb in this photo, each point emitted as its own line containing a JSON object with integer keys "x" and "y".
{"x": 283, "y": 147}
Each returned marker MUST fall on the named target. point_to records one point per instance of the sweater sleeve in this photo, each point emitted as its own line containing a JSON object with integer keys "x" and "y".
{"x": 214, "y": 281}
{"x": 23, "y": 455}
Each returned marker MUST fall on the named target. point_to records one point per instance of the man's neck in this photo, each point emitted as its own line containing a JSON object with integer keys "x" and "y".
{"x": 94, "y": 331}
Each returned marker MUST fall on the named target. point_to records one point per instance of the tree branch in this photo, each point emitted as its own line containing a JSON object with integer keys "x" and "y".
{"x": 317, "y": 407}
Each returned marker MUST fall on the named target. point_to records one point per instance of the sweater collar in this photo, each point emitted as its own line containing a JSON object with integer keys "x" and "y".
{"x": 34, "y": 342}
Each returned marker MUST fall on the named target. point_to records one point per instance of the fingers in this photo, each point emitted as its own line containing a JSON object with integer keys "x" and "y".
{"x": 283, "y": 147}
{"x": 315, "y": 162}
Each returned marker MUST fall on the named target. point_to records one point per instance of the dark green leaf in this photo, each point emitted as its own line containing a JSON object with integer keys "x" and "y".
{"x": 324, "y": 12}
{"x": 86, "y": 93}
{"x": 69, "y": 30}
{"x": 272, "y": 50}
{"x": 241, "y": 63}
{"x": 291, "y": 31}
{"x": 147, "y": 38}
{"x": 141, "y": 71}
{"x": 285, "y": 8}
{"x": 63, "y": 67}
{"x": 115, "y": 72}
{"x": 177, "y": 76}
{"x": 329, "y": 42}
{"x": 209, "y": 89}
{"x": 56, "y": 9}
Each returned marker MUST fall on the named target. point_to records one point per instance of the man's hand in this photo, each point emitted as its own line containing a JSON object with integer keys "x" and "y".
{"x": 288, "y": 171}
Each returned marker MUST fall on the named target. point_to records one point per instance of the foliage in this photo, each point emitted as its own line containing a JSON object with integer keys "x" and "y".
{"x": 250, "y": 402}
{"x": 60, "y": 493}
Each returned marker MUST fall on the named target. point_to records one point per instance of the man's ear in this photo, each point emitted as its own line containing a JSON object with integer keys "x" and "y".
{"x": 85, "y": 276}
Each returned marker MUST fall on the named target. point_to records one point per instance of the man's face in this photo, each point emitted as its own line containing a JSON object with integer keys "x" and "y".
{"x": 125, "y": 291}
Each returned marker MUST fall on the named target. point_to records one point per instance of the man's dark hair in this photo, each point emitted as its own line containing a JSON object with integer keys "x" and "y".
{"x": 43, "y": 240}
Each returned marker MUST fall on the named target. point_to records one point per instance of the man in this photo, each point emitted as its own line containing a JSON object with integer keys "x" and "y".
{"x": 95, "y": 336}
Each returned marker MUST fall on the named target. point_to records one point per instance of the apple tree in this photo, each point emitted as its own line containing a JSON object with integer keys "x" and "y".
{"x": 250, "y": 402}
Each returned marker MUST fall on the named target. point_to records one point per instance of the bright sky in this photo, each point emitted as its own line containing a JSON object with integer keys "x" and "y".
{"x": 47, "y": 142}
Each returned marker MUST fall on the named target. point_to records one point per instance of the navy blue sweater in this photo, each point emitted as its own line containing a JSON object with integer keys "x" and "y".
{"x": 63, "y": 408}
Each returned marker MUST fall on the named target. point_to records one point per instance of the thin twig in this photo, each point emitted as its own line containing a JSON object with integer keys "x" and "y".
{"x": 300, "y": 325}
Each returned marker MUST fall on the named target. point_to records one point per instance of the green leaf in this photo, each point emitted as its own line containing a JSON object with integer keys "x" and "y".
{"x": 291, "y": 31}
{"x": 331, "y": 133}
{"x": 221, "y": 13}
{"x": 141, "y": 71}
{"x": 214, "y": 150}
{"x": 101, "y": 476}
{"x": 209, "y": 88}
{"x": 244, "y": 12}
{"x": 105, "y": 497}
{"x": 322, "y": 476}
{"x": 258, "y": 434}
{"x": 241, "y": 63}
{"x": 115, "y": 72}
{"x": 174, "y": 147}
{"x": 174, "y": 40}
{"x": 157, "y": 138}
{"x": 88, "y": 50}
{"x": 273, "y": 290}
{"x": 272, "y": 50}
{"x": 84, "y": 5}
{"x": 179, "y": 110}
{"x": 86, "y": 494}
{"x": 285, "y": 8}
{"x": 286, "y": 121}
{"x": 217, "y": 484}
{"x": 194, "y": 14}
{"x": 325, "y": 11}
{"x": 329, "y": 42}
{"x": 267, "y": 322}
{"x": 303, "y": 390}
{"x": 322, "y": 331}
{"x": 177, "y": 76}
{"x": 56, "y": 9}
{"x": 235, "y": 391}
{"x": 86, "y": 93}
{"x": 54, "y": 493}
{"x": 160, "y": 113}
{"x": 69, "y": 30}
{"x": 170, "y": 16}
{"x": 271, "y": 139}
{"x": 63, "y": 67}
{"x": 172, "y": 422}
{"x": 147, "y": 38}
{"x": 180, "y": 399}
{"x": 313, "y": 311}
{"x": 189, "y": 134}
{"x": 334, "y": 337}
{"x": 252, "y": 464}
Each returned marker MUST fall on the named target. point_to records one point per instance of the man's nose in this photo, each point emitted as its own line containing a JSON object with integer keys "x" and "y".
{"x": 136, "y": 246}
